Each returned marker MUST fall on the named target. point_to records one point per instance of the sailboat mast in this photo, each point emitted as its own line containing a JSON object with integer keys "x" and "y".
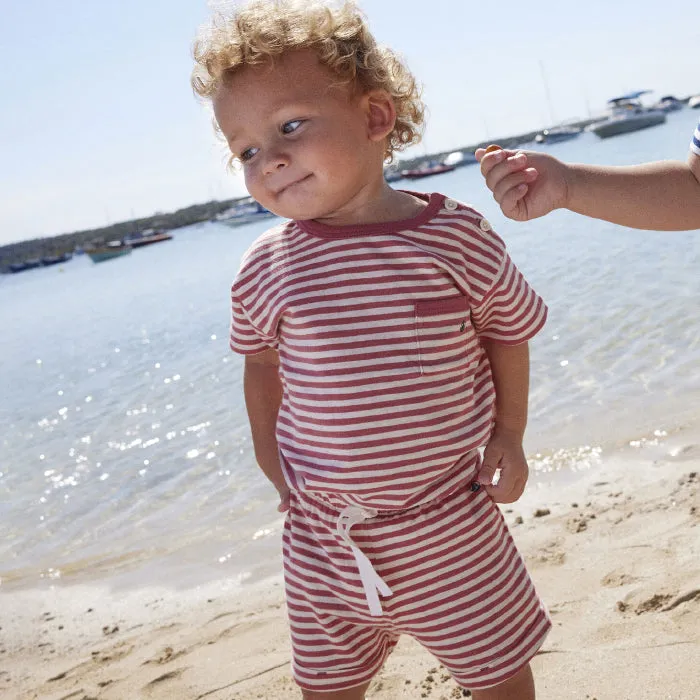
{"x": 546, "y": 92}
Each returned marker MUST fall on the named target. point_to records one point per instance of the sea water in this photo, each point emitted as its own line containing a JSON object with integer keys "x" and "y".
{"x": 125, "y": 453}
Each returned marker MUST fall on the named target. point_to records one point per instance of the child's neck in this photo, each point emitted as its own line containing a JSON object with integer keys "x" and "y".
{"x": 375, "y": 204}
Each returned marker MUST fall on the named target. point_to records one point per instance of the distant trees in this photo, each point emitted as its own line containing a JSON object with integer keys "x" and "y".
{"x": 68, "y": 242}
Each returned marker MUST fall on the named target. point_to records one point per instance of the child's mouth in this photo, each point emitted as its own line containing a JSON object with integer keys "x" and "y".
{"x": 291, "y": 185}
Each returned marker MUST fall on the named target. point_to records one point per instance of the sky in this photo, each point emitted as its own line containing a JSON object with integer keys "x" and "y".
{"x": 98, "y": 123}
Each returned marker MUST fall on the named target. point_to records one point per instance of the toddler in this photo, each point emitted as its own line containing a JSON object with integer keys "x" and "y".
{"x": 385, "y": 341}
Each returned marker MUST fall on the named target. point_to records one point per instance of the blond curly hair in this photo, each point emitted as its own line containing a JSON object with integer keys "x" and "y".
{"x": 262, "y": 30}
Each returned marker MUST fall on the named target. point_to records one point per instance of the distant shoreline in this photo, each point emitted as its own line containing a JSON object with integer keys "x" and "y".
{"x": 57, "y": 245}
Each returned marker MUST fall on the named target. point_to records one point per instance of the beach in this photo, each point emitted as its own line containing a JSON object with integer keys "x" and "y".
{"x": 140, "y": 543}
{"x": 614, "y": 554}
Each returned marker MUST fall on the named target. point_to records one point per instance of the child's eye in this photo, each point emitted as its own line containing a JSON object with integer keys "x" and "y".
{"x": 290, "y": 127}
{"x": 247, "y": 154}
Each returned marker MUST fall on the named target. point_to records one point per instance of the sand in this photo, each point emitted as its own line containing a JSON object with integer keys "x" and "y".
{"x": 615, "y": 555}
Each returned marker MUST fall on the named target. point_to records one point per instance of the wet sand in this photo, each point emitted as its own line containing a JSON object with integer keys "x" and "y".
{"x": 615, "y": 555}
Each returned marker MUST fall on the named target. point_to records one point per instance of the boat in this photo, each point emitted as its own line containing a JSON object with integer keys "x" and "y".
{"x": 49, "y": 260}
{"x": 148, "y": 237}
{"x": 557, "y": 134}
{"x": 669, "y": 103}
{"x": 244, "y": 212}
{"x": 25, "y": 265}
{"x": 113, "y": 249}
{"x": 460, "y": 158}
{"x": 391, "y": 174}
{"x": 428, "y": 169}
{"x": 628, "y": 114}
{"x": 694, "y": 102}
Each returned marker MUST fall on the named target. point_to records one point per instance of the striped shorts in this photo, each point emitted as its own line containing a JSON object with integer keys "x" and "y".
{"x": 458, "y": 586}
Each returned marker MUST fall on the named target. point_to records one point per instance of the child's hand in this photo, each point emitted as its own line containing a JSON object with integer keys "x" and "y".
{"x": 526, "y": 184}
{"x": 504, "y": 452}
{"x": 284, "y": 500}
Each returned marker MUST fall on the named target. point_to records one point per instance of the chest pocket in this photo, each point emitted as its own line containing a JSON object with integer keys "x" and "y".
{"x": 447, "y": 341}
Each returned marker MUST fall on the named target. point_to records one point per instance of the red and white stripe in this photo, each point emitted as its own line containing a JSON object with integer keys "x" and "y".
{"x": 459, "y": 587}
{"x": 387, "y": 393}
{"x": 386, "y": 387}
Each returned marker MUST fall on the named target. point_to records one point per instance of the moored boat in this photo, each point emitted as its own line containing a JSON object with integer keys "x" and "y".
{"x": 49, "y": 260}
{"x": 669, "y": 103}
{"x": 428, "y": 169}
{"x": 694, "y": 102}
{"x": 244, "y": 212}
{"x": 25, "y": 265}
{"x": 557, "y": 134}
{"x": 391, "y": 174}
{"x": 628, "y": 114}
{"x": 460, "y": 158}
{"x": 148, "y": 237}
{"x": 113, "y": 249}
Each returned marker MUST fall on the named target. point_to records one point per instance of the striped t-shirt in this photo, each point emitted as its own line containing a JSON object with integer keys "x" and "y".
{"x": 695, "y": 143}
{"x": 387, "y": 390}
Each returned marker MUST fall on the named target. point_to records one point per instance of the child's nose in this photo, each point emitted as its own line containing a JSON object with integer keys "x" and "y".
{"x": 276, "y": 162}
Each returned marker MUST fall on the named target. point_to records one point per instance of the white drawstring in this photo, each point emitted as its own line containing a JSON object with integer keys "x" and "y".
{"x": 371, "y": 581}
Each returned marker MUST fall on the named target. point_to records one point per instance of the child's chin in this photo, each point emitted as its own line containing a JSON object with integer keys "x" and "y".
{"x": 298, "y": 213}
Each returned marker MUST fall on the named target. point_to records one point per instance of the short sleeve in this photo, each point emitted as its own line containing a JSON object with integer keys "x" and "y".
{"x": 695, "y": 143}
{"x": 510, "y": 312}
{"x": 245, "y": 338}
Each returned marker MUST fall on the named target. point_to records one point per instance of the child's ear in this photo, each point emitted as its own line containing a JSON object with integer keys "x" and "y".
{"x": 381, "y": 114}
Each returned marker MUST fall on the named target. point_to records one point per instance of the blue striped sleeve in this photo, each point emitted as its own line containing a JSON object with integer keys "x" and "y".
{"x": 695, "y": 143}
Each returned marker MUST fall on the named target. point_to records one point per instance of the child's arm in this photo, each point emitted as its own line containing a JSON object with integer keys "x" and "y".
{"x": 510, "y": 366}
{"x": 663, "y": 196}
{"x": 263, "y": 395}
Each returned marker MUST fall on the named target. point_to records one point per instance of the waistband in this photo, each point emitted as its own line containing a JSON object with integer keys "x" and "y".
{"x": 460, "y": 476}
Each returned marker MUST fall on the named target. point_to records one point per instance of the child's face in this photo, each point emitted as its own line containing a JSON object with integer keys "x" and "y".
{"x": 305, "y": 141}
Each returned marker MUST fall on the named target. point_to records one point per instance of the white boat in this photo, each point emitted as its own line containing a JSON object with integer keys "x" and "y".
{"x": 460, "y": 158}
{"x": 669, "y": 103}
{"x": 694, "y": 102}
{"x": 245, "y": 212}
{"x": 391, "y": 174}
{"x": 628, "y": 114}
{"x": 557, "y": 134}
{"x": 242, "y": 219}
